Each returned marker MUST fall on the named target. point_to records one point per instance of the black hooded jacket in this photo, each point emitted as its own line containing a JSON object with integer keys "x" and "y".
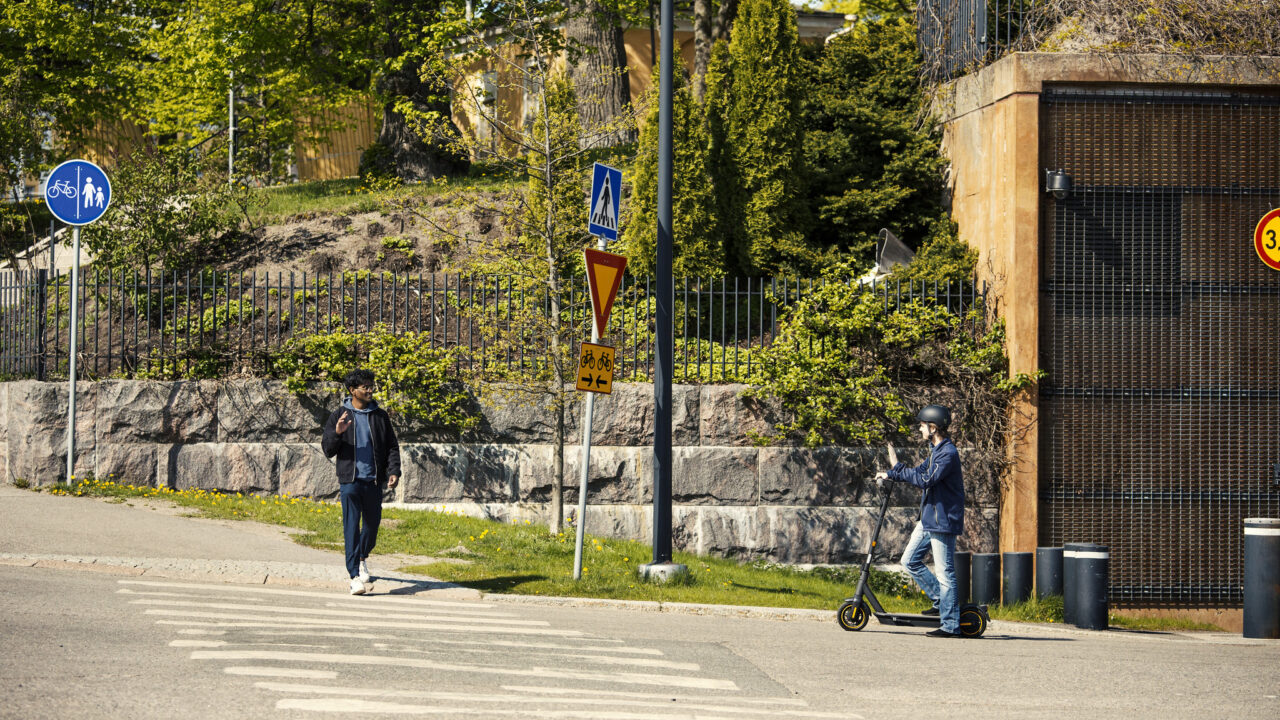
{"x": 386, "y": 449}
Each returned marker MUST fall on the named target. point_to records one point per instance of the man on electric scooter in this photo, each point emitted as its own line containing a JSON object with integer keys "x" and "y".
{"x": 941, "y": 517}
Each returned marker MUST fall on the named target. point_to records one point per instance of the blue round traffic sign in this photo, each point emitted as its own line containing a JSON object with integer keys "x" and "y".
{"x": 77, "y": 192}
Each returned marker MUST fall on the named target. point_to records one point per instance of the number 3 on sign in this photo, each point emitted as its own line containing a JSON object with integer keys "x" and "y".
{"x": 1266, "y": 239}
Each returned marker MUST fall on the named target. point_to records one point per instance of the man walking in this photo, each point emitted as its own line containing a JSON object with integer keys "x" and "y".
{"x": 941, "y": 517}
{"x": 360, "y": 434}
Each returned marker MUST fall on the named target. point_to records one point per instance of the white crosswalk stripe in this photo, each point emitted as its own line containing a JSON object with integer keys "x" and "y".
{"x": 314, "y": 652}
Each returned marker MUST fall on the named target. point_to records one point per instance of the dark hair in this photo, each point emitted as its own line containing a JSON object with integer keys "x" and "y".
{"x": 358, "y": 377}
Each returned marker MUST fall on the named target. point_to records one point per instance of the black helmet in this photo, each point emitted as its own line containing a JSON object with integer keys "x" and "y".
{"x": 937, "y": 414}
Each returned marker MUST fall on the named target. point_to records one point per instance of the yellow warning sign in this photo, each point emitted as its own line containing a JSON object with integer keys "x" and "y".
{"x": 604, "y": 275}
{"x": 595, "y": 368}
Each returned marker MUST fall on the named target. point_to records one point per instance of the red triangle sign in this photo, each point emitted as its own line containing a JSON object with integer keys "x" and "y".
{"x": 604, "y": 275}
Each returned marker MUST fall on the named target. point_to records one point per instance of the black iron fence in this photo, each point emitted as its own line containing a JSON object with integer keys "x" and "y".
{"x": 957, "y": 36}
{"x": 214, "y": 324}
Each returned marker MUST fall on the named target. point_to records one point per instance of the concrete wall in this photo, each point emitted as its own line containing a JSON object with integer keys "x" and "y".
{"x": 783, "y": 503}
{"x": 992, "y": 138}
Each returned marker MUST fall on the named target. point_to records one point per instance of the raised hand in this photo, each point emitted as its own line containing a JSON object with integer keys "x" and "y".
{"x": 344, "y": 422}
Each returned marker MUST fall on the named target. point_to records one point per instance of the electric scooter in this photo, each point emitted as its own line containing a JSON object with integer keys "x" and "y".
{"x": 855, "y": 612}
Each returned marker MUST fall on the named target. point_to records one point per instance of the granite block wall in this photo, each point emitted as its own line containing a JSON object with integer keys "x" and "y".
{"x": 781, "y": 503}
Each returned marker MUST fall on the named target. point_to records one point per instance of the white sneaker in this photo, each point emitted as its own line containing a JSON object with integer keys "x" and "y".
{"x": 357, "y": 587}
{"x": 364, "y": 575}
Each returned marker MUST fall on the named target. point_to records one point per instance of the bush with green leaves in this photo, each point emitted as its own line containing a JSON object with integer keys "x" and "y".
{"x": 850, "y": 371}
{"x": 415, "y": 380}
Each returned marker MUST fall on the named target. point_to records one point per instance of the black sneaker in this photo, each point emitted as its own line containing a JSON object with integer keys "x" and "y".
{"x": 933, "y": 611}
{"x": 940, "y": 633}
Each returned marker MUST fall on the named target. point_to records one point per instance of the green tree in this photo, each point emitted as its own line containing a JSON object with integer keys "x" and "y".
{"x": 766, "y": 140}
{"x": 696, "y": 247}
{"x": 872, "y": 154}
{"x": 168, "y": 211}
{"x": 62, "y": 70}
{"x": 547, "y": 222}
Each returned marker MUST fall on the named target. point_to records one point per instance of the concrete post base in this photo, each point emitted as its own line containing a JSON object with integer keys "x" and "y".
{"x": 662, "y": 572}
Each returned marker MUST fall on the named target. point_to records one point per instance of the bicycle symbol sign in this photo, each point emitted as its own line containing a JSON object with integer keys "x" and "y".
{"x": 595, "y": 368}
{"x": 77, "y": 192}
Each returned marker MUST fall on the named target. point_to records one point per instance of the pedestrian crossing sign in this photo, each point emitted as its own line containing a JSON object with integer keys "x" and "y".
{"x": 603, "y": 205}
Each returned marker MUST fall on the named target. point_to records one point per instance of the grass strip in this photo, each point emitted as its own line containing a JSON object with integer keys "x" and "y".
{"x": 526, "y": 559}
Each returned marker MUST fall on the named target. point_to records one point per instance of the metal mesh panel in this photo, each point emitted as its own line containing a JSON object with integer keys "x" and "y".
{"x": 1159, "y": 331}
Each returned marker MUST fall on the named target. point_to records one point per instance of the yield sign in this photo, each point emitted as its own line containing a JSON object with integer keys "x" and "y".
{"x": 604, "y": 274}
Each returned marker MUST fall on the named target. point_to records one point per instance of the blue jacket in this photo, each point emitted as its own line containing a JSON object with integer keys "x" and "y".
{"x": 942, "y": 504}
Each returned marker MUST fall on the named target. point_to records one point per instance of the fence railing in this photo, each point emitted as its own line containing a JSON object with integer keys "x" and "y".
{"x": 958, "y": 36}
{"x": 212, "y": 324}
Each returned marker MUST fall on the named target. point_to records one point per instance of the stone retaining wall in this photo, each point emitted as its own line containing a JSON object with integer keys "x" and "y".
{"x": 782, "y": 503}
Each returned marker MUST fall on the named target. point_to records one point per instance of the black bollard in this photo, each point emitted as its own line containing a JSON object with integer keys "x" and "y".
{"x": 1093, "y": 575}
{"x": 1048, "y": 571}
{"x": 1070, "y": 584}
{"x": 962, "y": 560}
{"x": 1262, "y": 578}
{"x": 986, "y": 578}
{"x": 1017, "y": 578}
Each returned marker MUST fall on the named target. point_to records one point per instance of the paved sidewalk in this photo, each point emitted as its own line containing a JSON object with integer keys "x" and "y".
{"x": 153, "y": 538}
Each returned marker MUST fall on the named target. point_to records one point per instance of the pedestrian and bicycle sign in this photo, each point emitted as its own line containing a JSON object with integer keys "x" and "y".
{"x": 602, "y": 206}
{"x": 77, "y": 192}
{"x": 595, "y": 368}
{"x": 1266, "y": 239}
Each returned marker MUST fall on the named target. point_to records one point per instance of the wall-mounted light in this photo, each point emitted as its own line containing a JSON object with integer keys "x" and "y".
{"x": 1057, "y": 182}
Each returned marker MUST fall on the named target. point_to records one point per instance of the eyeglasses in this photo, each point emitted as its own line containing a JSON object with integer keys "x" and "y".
{"x": 370, "y": 388}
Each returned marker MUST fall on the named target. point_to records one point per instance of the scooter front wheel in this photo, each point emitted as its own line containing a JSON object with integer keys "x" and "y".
{"x": 853, "y": 617}
{"x": 972, "y": 623}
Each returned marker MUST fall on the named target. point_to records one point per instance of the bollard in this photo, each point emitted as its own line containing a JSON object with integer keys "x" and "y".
{"x": 1070, "y": 585}
{"x": 1262, "y": 578}
{"x": 1093, "y": 574}
{"x": 962, "y": 560}
{"x": 1017, "y": 578}
{"x": 986, "y": 578}
{"x": 1048, "y": 572}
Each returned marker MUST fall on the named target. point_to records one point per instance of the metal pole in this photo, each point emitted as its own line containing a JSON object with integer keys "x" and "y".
{"x": 71, "y": 372}
{"x": 588, "y": 411}
{"x": 663, "y": 364}
{"x": 231, "y": 128}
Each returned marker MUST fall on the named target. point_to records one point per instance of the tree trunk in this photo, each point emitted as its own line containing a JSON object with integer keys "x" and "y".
{"x": 400, "y": 151}
{"x": 599, "y": 77}
{"x": 725, "y": 16}
{"x": 557, "y": 464}
{"x": 701, "y": 46}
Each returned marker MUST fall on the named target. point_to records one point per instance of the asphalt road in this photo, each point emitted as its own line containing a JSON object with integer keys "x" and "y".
{"x": 157, "y": 631}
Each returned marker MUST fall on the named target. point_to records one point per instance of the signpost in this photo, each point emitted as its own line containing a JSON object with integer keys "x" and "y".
{"x": 1266, "y": 239}
{"x": 595, "y": 362}
{"x": 77, "y": 193}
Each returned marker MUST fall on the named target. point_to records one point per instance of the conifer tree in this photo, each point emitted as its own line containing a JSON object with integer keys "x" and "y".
{"x": 764, "y": 135}
{"x": 696, "y": 246}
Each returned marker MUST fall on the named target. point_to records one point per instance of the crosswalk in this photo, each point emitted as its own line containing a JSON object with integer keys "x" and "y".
{"x": 318, "y": 653}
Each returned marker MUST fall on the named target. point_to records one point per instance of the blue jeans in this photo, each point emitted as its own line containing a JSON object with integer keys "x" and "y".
{"x": 361, "y": 501}
{"x": 940, "y": 588}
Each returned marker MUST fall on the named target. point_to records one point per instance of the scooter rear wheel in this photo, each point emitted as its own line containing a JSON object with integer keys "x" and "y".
{"x": 851, "y": 617}
{"x": 972, "y": 623}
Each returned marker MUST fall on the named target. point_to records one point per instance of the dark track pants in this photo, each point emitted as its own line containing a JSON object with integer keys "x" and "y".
{"x": 361, "y": 513}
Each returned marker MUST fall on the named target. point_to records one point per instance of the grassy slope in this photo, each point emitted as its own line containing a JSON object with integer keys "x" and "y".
{"x": 525, "y": 559}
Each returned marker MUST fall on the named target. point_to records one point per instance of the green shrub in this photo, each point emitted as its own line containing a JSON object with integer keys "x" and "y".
{"x": 415, "y": 380}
